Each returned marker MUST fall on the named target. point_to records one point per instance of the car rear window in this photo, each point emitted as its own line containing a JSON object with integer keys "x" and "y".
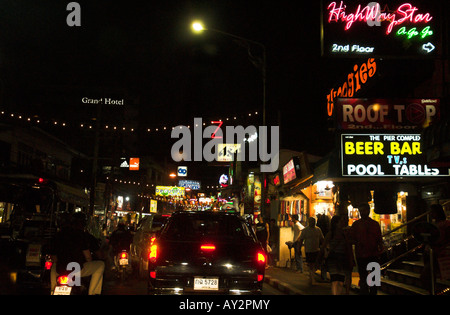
{"x": 158, "y": 223}
{"x": 194, "y": 227}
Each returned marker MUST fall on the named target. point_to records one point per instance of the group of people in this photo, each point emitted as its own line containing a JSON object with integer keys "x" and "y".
{"x": 334, "y": 250}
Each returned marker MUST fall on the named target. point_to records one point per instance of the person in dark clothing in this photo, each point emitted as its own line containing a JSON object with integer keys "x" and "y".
{"x": 120, "y": 239}
{"x": 73, "y": 245}
{"x": 323, "y": 222}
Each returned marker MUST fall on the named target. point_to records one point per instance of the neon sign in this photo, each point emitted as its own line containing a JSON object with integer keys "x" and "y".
{"x": 414, "y": 32}
{"x": 355, "y": 80}
{"x": 372, "y": 14}
{"x": 380, "y": 29}
{"x": 384, "y": 155}
{"x": 393, "y": 114}
{"x": 355, "y": 48}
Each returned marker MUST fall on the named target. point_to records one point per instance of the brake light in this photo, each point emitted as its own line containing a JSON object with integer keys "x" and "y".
{"x": 63, "y": 280}
{"x": 208, "y": 247}
{"x": 123, "y": 255}
{"x": 48, "y": 265}
{"x": 153, "y": 254}
{"x": 261, "y": 258}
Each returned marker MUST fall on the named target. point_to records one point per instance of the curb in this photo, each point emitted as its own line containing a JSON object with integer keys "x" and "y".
{"x": 282, "y": 286}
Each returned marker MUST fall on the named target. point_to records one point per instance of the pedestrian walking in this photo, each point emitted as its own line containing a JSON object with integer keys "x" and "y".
{"x": 274, "y": 238}
{"x": 312, "y": 238}
{"x": 323, "y": 222}
{"x": 338, "y": 259}
{"x": 365, "y": 233}
{"x": 440, "y": 248}
{"x": 298, "y": 227}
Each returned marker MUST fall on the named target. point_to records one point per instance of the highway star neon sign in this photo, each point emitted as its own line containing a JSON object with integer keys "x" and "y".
{"x": 373, "y": 14}
{"x": 388, "y": 28}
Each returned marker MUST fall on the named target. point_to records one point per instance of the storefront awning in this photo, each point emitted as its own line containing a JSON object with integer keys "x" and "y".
{"x": 73, "y": 195}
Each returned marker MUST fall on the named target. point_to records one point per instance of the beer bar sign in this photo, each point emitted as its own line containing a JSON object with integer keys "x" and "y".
{"x": 379, "y": 155}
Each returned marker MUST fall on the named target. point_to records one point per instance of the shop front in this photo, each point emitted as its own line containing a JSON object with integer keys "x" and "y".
{"x": 292, "y": 200}
{"x": 386, "y": 170}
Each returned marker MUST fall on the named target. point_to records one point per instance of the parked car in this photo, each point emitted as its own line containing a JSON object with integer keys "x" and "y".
{"x": 146, "y": 229}
{"x": 206, "y": 252}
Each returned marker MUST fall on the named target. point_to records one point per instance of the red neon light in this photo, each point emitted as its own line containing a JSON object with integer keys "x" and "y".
{"x": 406, "y": 12}
{"x": 213, "y": 136}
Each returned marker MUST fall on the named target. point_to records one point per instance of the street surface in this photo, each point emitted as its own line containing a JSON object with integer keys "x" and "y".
{"x": 133, "y": 286}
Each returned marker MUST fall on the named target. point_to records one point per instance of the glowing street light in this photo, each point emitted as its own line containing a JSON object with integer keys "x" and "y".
{"x": 260, "y": 63}
{"x": 197, "y": 26}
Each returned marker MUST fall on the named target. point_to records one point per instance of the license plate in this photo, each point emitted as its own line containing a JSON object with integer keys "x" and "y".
{"x": 206, "y": 284}
{"x": 123, "y": 261}
{"x": 62, "y": 290}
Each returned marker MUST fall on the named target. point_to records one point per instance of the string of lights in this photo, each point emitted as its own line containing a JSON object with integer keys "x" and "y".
{"x": 35, "y": 119}
{"x": 137, "y": 183}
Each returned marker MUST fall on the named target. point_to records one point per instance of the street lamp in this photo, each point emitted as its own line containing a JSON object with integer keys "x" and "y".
{"x": 199, "y": 27}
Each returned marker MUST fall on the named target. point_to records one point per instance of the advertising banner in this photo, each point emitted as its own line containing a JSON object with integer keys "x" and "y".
{"x": 354, "y": 28}
{"x": 192, "y": 184}
{"x": 289, "y": 173}
{"x": 153, "y": 206}
{"x": 389, "y": 114}
{"x": 385, "y": 155}
{"x": 226, "y": 151}
{"x": 172, "y": 191}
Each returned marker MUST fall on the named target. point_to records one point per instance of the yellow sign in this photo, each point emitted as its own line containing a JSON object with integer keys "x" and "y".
{"x": 173, "y": 191}
{"x": 153, "y": 206}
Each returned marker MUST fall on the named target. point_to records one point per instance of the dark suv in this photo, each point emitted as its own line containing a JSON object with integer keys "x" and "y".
{"x": 206, "y": 252}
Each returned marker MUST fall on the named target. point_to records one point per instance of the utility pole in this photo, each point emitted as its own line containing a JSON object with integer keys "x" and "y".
{"x": 95, "y": 161}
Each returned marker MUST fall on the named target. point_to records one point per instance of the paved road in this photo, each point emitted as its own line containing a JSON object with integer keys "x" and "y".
{"x": 135, "y": 286}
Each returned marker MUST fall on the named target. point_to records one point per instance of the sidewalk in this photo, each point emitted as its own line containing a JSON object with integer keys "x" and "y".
{"x": 292, "y": 283}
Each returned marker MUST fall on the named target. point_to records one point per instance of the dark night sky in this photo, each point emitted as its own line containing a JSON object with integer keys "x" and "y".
{"x": 144, "y": 52}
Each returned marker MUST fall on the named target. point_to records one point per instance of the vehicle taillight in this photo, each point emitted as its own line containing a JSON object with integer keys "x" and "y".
{"x": 261, "y": 258}
{"x": 48, "y": 265}
{"x": 123, "y": 255}
{"x": 153, "y": 254}
{"x": 63, "y": 280}
{"x": 208, "y": 247}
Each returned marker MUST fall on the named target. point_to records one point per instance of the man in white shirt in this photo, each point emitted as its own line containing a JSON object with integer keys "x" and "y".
{"x": 298, "y": 227}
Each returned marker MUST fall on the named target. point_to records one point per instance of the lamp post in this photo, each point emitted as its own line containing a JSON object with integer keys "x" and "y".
{"x": 198, "y": 27}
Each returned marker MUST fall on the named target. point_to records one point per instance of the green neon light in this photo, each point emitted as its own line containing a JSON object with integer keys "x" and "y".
{"x": 426, "y": 31}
